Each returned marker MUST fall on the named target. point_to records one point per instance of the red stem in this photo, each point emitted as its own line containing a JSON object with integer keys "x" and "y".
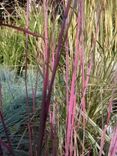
{"x": 26, "y": 85}
{"x": 46, "y": 98}
{"x": 24, "y": 30}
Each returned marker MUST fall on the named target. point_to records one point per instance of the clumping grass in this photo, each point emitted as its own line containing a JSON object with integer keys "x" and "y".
{"x": 14, "y": 102}
{"x": 76, "y": 59}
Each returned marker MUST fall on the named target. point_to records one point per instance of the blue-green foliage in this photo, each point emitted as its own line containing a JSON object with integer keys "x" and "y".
{"x": 14, "y": 101}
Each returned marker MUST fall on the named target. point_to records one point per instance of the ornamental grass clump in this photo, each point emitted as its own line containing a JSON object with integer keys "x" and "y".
{"x": 76, "y": 58}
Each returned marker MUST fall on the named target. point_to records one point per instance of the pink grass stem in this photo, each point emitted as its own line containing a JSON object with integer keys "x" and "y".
{"x": 26, "y": 68}
{"x": 102, "y": 140}
{"x": 72, "y": 130}
{"x": 46, "y": 78}
{"x": 113, "y": 144}
{"x": 46, "y": 102}
{"x": 70, "y": 116}
{"x": 67, "y": 72}
{"x": 24, "y": 30}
